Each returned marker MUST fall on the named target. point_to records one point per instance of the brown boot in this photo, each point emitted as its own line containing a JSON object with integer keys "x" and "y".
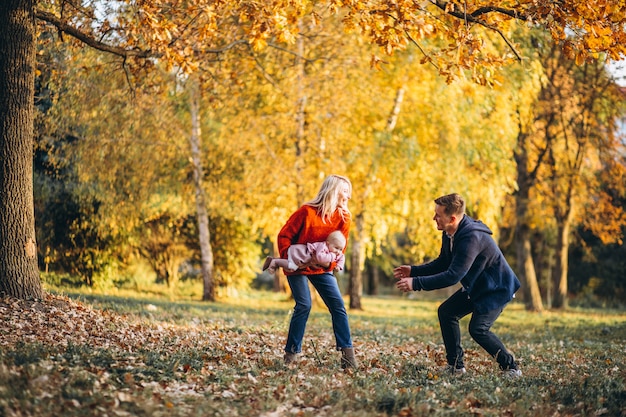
{"x": 290, "y": 358}
{"x": 348, "y": 360}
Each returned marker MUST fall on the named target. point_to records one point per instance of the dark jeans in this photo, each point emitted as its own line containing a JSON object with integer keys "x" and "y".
{"x": 458, "y": 306}
{"x": 327, "y": 287}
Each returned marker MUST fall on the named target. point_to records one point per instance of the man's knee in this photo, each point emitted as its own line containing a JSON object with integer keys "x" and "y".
{"x": 444, "y": 315}
{"x": 478, "y": 331}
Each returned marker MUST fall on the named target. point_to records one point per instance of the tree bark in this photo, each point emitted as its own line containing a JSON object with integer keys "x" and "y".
{"x": 300, "y": 118}
{"x": 525, "y": 264}
{"x": 206, "y": 252}
{"x": 373, "y": 277}
{"x": 562, "y": 258}
{"x": 355, "y": 284}
{"x": 532, "y": 296}
{"x": 19, "y": 274}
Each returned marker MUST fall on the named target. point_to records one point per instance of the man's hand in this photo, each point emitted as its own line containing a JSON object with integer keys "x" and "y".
{"x": 403, "y": 271}
{"x": 405, "y": 284}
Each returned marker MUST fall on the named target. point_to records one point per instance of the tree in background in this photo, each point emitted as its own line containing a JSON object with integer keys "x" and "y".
{"x": 175, "y": 35}
{"x": 566, "y": 133}
{"x": 586, "y": 105}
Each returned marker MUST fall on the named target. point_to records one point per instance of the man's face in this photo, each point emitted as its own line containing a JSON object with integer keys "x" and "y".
{"x": 443, "y": 220}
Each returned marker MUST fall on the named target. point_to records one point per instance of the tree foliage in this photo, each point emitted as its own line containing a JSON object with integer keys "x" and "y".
{"x": 469, "y": 39}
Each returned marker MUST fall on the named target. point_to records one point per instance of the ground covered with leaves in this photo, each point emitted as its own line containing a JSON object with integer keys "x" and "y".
{"x": 107, "y": 356}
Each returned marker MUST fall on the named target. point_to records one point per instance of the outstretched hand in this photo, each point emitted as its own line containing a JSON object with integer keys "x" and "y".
{"x": 405, "y": 284}
{"x": 402, "y": 274}
{"x": 403, "y": 271}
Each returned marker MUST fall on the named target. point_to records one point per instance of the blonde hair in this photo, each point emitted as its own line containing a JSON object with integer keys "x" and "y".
{"x": 337, "y": 238}
{"x": 327, "y": 199}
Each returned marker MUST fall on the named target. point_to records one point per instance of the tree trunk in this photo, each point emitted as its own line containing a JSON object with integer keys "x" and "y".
{"x": 525, "y": 265}
{"x": 549, "y": 265}
{"x": 373, "y": 278}
{"x": 532, "y": 296}
{"x": 560, "y": 295}
{"x": 19, "y": 275}
{"x": 206, "y": 251}
{"x": 355, "y": 285}
{"x": 300, "y": 118}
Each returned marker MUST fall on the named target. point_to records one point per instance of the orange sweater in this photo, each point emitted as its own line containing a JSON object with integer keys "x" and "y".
{"x": 305, "y": 226}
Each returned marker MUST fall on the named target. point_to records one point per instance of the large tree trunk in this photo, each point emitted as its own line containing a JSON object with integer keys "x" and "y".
{"x": 19, "y": 275}
{"x": 562, "y": 259}
{"x": 528, "y": 276}
{"x": 525, "y": 264}
{"x": 206, "y": 252}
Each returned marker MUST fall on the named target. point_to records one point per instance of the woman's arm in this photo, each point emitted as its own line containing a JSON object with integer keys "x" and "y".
{"x": 290, "y": 232}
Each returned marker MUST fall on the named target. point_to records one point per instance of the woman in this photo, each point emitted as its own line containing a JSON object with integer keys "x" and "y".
{"x": 313, "y": 222}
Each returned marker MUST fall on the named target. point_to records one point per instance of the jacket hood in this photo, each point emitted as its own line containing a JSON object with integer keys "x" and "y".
{"x": 468, "y": 224}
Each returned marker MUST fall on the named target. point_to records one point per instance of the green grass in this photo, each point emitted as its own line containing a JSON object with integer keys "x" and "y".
{"x": 114, "y": 355}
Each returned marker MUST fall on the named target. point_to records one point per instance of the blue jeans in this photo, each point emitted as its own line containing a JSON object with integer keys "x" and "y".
{"x": 458, "y": 306}
{"x": 328, "y": 289}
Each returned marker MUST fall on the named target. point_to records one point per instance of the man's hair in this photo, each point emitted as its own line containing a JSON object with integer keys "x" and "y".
{"x": 453, "y": 204}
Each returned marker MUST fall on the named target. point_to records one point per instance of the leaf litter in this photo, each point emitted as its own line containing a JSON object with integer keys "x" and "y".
{"x": 64, "y": 357}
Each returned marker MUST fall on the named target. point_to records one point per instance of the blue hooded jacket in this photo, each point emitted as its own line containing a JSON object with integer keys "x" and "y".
{"x": 476, "y": 261}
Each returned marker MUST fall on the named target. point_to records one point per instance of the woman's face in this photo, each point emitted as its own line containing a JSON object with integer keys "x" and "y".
{"x": 344, "y": 195}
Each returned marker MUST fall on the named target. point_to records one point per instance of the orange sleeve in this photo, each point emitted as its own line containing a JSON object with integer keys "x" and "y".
{"x": 290, "y": 232}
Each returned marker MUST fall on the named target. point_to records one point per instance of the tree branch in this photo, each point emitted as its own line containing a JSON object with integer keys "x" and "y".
{"x": 474, "y": 18}
{"x": 88, "y": 40}
{"x": 490, "y": 9}
{"x": 63, "y": 27}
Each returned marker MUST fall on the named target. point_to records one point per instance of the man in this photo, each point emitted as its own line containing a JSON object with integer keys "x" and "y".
{"x": 469, "y": 254}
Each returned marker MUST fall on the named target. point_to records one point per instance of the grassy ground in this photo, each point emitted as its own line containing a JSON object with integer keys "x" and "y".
{"x": 94, "y": 355}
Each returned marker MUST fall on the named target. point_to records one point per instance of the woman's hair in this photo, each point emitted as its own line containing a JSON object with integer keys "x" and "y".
{"x": 453, "y": 204}
{"x": 327, "y": 199}
{"x": 337, "y": 238}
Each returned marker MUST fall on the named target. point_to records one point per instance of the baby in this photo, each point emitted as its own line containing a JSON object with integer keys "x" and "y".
{"x": 320, "y": 254}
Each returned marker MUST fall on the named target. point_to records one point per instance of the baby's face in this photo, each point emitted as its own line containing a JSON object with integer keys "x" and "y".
{"x": 335, "y": 249}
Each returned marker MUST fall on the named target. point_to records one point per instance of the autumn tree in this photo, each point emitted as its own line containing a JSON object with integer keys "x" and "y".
{"x": 128, "y": 203}
{"x": 179, "y": 34}
{"x": 579, "y": 107}
{"x": 566, "y": 115}
{"x": 19, "y": 274}
{"x": 133, "y": 162}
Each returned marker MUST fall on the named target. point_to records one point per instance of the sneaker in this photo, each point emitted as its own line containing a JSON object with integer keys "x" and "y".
{"x": 450, "y": 369}
{"x": 512, "y": 373}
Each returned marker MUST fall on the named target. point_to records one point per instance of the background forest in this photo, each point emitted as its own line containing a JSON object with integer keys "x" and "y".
{"x": 126, "y": 162}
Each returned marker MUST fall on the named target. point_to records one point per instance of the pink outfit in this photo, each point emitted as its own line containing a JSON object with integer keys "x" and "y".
{"x": 314, "y": 253}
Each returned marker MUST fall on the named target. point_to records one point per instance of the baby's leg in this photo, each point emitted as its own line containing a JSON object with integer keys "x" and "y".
{"x": 278, "y": 263}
